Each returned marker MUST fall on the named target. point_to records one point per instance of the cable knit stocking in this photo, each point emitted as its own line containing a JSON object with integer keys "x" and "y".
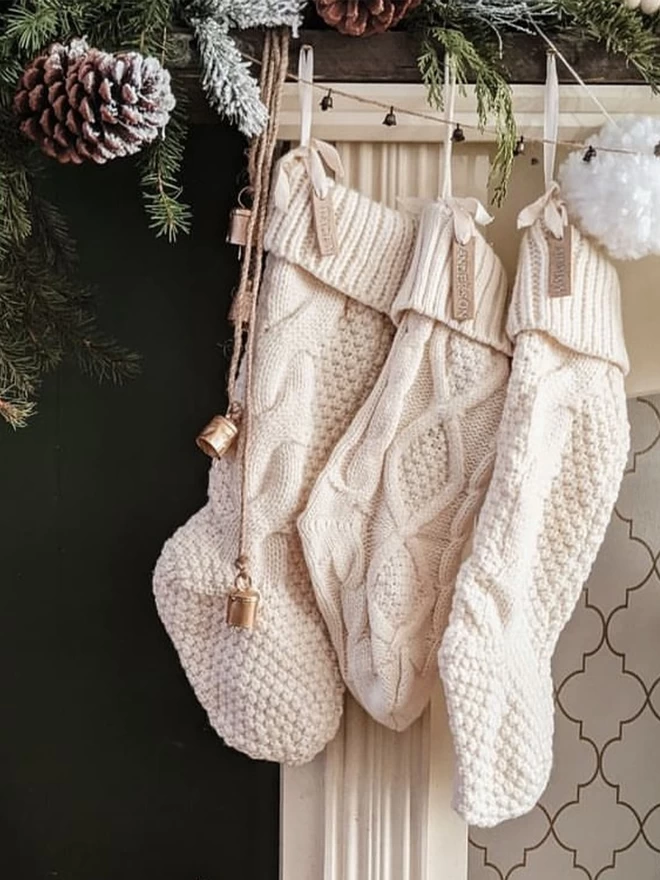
{"x": 390, "y": 515}
{"x": 323, "y": 332}
{"x": 561, "y": 452}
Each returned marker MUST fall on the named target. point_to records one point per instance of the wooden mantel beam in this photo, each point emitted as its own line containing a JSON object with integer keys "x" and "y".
{"x": 392, "y": 58}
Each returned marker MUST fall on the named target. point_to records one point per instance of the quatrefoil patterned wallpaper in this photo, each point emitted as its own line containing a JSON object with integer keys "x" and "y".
{"x": 600, "y": 816}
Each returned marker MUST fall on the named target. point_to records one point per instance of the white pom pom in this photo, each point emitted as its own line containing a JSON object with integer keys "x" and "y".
{"x": 614, "y": 197}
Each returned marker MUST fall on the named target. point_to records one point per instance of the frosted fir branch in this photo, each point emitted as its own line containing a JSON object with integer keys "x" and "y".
{"x": 255, "y": 13}
{"x": 226, "y": 78}
{"x": 507, "y": 14}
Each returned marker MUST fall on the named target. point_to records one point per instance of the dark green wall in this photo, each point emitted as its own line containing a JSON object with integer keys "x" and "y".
{"x": 108, "y": 767}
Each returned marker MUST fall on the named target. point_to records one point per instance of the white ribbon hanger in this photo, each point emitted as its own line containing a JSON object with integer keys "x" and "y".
{"x": 315, "y": 154}
{"x": 549, "y": 207}
{"x": 467, "y": 211}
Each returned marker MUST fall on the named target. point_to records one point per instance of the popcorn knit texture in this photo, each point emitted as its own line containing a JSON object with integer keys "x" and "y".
{"x": 392, "y": 511}
{"x": 561, "y": 452}
{"x": 323, "y": 332}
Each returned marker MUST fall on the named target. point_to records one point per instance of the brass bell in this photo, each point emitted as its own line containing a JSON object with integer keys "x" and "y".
{"x": 242, "y": 602}
{"x": 239, "y": 221}
{"x": 217, "y": 436}
{"x": 242, "y": 608}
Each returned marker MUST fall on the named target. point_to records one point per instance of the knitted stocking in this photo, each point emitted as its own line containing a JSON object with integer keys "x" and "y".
{"x": 561, "y": 452}
{"x": 389, "y": 517}
{"x": 322, "y": 334}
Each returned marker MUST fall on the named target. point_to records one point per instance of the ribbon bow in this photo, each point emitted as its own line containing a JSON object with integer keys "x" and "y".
{"x": 549, "y": 208}
{"x": 466, "y": 213}
{"x": 316, "y": 157}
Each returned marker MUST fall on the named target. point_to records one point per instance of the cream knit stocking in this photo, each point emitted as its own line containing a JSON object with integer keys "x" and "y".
{"x": 390, "y": 514}
{"x": 322, "y": 334}
{"x": 561, "y": 452}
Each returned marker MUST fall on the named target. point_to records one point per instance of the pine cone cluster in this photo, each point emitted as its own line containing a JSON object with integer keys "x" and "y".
{"x": 79, "y": 103}
{"x": 361, "y": 18}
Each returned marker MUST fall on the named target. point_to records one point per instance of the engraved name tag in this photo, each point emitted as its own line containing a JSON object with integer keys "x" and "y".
{"x": 462, "y": 280}
{"x": 324, "y": 223}
{"x": 560, "y": 251}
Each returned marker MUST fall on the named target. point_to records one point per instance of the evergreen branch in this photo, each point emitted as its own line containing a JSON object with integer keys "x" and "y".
{"x": 620, "y": 29}
{"x": 45, "y": 314}
{"x": 15, "y": 220}
{"x": 492, "y": 91}
{"x": 226, "y": 78}
{"x": 32, "y": 25}
{"x": 16, "y": 410}
{"x": 160, "y": 168}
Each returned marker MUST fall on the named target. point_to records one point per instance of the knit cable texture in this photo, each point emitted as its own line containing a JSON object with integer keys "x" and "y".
{"x": 392, "y": 511}
{"x": 322, "y": 334}
{"x": 561, "y": 452}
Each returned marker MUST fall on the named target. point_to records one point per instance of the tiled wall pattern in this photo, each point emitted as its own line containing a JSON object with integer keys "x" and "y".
{"x": 600, "y": 816}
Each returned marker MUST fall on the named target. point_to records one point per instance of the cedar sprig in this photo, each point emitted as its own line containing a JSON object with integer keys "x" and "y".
{"x": 622, "y": 30}
{"x": 493, "y": 93}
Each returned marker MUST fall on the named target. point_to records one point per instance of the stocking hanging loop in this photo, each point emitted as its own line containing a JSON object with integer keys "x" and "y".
{"x": 305, "y": 90}
{"x": 549, "y": 207}
{"x": 450, "y": 106}
{"x": 550, "y": 118}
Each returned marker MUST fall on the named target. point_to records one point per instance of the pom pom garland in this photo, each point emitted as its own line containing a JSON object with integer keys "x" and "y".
{"x": 615, "y": 197}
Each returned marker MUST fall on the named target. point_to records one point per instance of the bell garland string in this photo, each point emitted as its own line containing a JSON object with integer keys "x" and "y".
{"x": 47, "y": 313}
{"x": 522, "y": 143}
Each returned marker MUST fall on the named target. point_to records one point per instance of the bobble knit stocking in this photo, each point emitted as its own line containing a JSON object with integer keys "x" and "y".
{"x": 322, "y": 334}
{"x": 390, "y": 515}
{"x": 561, "y": 452}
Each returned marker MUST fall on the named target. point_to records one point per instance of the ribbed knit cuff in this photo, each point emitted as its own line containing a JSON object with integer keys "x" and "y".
{"x": 427, "y": 288}
{"x": 375, "y": 242}
{"x": 589, "y": 320}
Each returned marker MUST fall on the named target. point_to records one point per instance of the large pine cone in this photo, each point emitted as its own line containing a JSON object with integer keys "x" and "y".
{"x": 79, "y": 103}
{"x": 361, "y": 18}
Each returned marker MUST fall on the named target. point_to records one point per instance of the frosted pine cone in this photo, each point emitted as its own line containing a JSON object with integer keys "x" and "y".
{"x": 361, "y": 18}
{"x": 79, "y": 103}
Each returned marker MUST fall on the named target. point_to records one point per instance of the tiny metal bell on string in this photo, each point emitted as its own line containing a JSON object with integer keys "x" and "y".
{"x": 218, "y": 436}
{"x": 590, "y": 153}
{"x": 390, "y": 118}
{"x": 239, "y": 220}
{"x": 458, "y": 135}
{"x": 326, "y": 101}
{"x": 243, "y": 601}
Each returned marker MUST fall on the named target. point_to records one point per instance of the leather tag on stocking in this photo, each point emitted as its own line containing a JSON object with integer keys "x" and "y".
{"x": 560, "y": 280}
{"x": 462, "y": 279}
{"x": 324, "y": 224}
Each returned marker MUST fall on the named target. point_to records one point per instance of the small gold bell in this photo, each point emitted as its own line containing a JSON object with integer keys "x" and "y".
{"x": 239, "y": 221}
{"x": 242, "y": 602}
{"x": 242, "y": 608}
{"x": 217, "y": 436}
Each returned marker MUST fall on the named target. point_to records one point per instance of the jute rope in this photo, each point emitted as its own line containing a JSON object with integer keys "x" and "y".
{"x": 274, "y": 65}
